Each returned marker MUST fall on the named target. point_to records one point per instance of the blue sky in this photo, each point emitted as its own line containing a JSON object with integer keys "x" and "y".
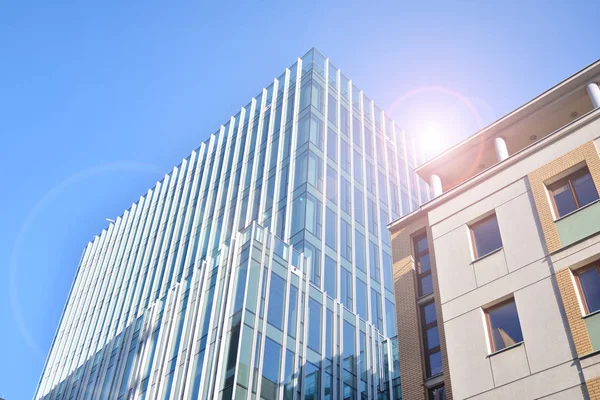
{"x": 97, "y": 102}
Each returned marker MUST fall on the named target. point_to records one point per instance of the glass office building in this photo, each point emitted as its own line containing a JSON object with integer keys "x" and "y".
{"x": 260, "y": 267}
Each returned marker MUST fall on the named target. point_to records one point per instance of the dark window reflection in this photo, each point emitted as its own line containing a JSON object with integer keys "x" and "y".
{"x": 505, "y": 328}
{"x": 573, "y": 192}
{"x": 589, "y": 281}
{"x": 486, "y": 235}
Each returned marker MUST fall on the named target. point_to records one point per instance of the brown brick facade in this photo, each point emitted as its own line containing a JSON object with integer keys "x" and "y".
{"x": 438, "y": 310}
{"x": 538, "y": 178}
{"x": 407, "y": 315}
{"x": 581, "y": 339}
{"x": 593, "y": 387}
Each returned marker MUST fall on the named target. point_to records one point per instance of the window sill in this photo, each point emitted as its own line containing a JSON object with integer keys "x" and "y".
{"x": 589, "y": 355}
{"x": 576, "y": 211}
{"x": 591, "y": 314}
{"x": 487, "y": 255}
{"x": 434, "y": 378}
{"x": 505, "y": 349}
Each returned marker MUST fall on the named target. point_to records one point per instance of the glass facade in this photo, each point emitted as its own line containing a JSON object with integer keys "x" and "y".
{"x": 268, "y": 242}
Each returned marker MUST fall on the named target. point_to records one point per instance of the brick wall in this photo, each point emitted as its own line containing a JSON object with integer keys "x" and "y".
{"x": 407, "y": 315}
{"x": 593, "y": 387}
{"x": 586, "y": 153}
{"x": 581, "y": 339}
{"x": 438, "y": 310}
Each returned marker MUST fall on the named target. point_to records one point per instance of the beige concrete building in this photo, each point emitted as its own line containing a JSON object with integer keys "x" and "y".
{"x": 497, "y": 278}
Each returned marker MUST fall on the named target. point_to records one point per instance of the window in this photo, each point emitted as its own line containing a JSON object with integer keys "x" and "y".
{"x": 330, "y": 228}
{"x": 374, "y": 261}
{"x": 331, "y": 184}
{"x": 345, "y": 195}
{"x": 330, "y": 279}
{"x": 332, "y": 144}
{"x": 421, "y": 249}
{"x": 359, "y": 240}
{"x": 346, "y": 240}
{"x": 372, "y": 210}
{"x": 314, "y": 325}
{"x": 376, "y": 311}
{"x": 436, "y": 393}
{"x": 345, "y": 156}
{"x": 346, "y": 288}
{"x": 588, "y": 281}
{"x": 270, "y": 381}
{"x": 356, "y": 132}
{"x": 276, "y": 301}
{"x": 573, "y": 192}
{"x": 292, "y": 301}
{"x": 332, "y": 110}
{"x": 358, "y": 164}
{"x": 431, "y": 340}
{"x": 359, "y": 214}
{"x": 485, "y": 235}
{"x": 503, "y": 325}
{"x": 344, "y": 119}
{"x": 361, "y": 299}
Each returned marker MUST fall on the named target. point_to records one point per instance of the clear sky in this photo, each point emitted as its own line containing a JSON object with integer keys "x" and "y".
{"x": 98, "y": 102}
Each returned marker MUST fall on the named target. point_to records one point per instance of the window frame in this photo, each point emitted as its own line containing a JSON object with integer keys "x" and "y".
{"x": 417, "y": 255}
{"x": 474, "y": 242}
{"x": 568, "y": 180}
{"x": 489, "y": 325}
{"x": 436, "y": 387}
{"x": 577, "y": 273}
{"x": 427, "y": 352}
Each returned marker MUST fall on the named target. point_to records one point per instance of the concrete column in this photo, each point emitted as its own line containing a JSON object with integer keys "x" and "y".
{"x": 501, "y": 150}
{"x": 594, "y": 92}
{"x": 436, "y": 185}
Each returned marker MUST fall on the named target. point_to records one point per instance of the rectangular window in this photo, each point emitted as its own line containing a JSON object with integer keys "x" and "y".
{"x": 270, "y": 381}
{"x": 313, "y": 216}
{"x": 374, "y": 261}
{"x": 345, "y": 195}
{"x": 573, "y": 192}
{"x": 344, "y": 119}
{"x": 485, "y": 235}
{"x": 332, "y": 145}
{"x": 358, "y": 167}
{"x": 314, "y": 263}
{"x": 293, "y": 305}
{"x": 346, "y": 288}
{"x": 359, "y": 240}
{"x": 330, "y": 228}
{"x": 330, "y": 278}
{"x": 332, "y": 110}
{"x": 315, "y": 171}
{"x": 503, "y": 325}
{"x": 431, "y": 340}
{"x": 359, "y": 213}
{"x": 369, "y": 142}
{"x": 345, "y": 156}
{"x": 346, "y": 240}
{"x": 436, "y": 393}
{"x": 370, "y": 179}
{"x": 376, "y": 312}
{"x": 423, "y": 267}
{"x": 588, "y": 280}
{"x": 361, "y": 299}
{"x": 314, "y": 325}
{"x": 276, "y": 301}
{"x": 356, "y": 132}
{"x": 372, "y": 209}
{"x": 331, "y": 184}
{"x": 390, "y": 318}
{"x": 382, "y": 188}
